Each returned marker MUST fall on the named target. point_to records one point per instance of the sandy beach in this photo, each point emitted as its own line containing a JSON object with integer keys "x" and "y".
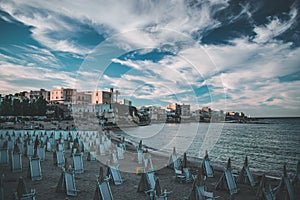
{"x": 86, "y": 182}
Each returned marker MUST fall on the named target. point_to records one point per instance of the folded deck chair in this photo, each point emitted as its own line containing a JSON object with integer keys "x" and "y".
{"x": 176, "y": 162}
{"x": 285, "y": 188}
{"x": 114, "y": 175}
{"x": 41, "y": 151}
{"x": 156, "y": 193}
{"x": 103, "y": 191}
{"x": 202, "y": 194}
{"x": 229, "y": 179}
{"x": 91, "y": 156}
{"x": 16, "y": 162}
{"x": 184, "y": 175}
{"x": 245, "y": 174}
{"x": 29, "y": 150}
{"x": 269, "y": 194}
{"x": 4, "y": 157}
{"x": 199, "y": 189}
{"x": 147, "y": 182}
{"x": 34, "y": 170}
{"x": 208, "y": 170}
{"x": 59, "y": 158}
{"x": 67, "y": 184}
{"x": 78, "y": 163}
{"x": 28, "y": 196}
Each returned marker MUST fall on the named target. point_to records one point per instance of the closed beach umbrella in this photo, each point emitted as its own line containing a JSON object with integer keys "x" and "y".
{"x": 157, "y": 187}
{"x": 184, "y": 160}
{"x": 21, "y": 188}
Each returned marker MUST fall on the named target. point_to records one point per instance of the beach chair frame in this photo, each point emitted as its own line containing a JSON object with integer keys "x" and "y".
{"x": 103, "y": 191}
{"x": 230, "y": 182}
{"x": 35, "y": 171}
{"x": 202, "y": 194}
{"x": 184, "y": 175}
{"x": 115, "y": 175}
{"x": 209, "y": 172}
{"x": 70, "y": 183}
{"x": 60, "y": 158}
{"x": 78, "y": 163}
{"x": 29, "y": 196}
{"x": 29, "y": 150}
{"x": 16, "y": 162}
{"x": 4, "y": 157}
{"x": 41, "y": 151}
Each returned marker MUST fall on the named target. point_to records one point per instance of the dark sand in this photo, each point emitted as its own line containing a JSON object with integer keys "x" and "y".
{"x": 86, "y": 182}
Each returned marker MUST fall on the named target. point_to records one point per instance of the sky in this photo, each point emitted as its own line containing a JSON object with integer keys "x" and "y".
{"x": 228, "y": 55}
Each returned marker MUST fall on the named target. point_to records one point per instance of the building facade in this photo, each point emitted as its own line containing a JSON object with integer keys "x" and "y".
{"x": 101, "y": 97}
{"x": 63, "y": 95}
{"x": 33, "y": 95}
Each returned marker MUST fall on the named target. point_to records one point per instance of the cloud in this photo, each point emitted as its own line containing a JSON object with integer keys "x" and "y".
{"x": 275, "y": 27}
{"x": 16, "y": 78}
{"x": 247, "y": 67}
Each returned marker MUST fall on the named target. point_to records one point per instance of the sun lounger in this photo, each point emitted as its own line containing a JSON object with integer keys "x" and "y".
{"x": 285, "y": 188}
{"x": 176, "y": 162}
{"x": 28, "y": 196}
{"x": 103, "y": 191}
{"x": 91, "y": 156}
{"x": 184, "y": 175}
{"x": 16, "y": 162}
{"x": 228, "y": 177}
{"x": 201, "y": 194}
{"x": 30, "y": 150}
{"x": 67, "y": 184}
{"x": 70, "y": 184}
{"x": 78, "y": 163}
{"x": 41, "y": 153}
{"x": 230, "y": 182}
{"x": 114, "y": 175}
{"x": 34, "y": 170}
{"x": 208, "y": 170}
{"x": 4, "y": 157}
{"x": 60, "y": 147}
{"x": 156, "y": 193}
{"x": 147, "y": 182}
{"x": 59, "y": 158}
{"x": 245, "y": 174}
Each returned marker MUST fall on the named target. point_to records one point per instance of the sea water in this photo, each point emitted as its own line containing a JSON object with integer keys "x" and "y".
{"x": 268, "y": 144}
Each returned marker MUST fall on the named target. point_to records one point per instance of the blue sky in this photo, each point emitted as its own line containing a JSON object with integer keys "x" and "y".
{"x": 229, "y": 55}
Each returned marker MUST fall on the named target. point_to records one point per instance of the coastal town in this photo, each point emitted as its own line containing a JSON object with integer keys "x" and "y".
{"x": 107, "y": 106}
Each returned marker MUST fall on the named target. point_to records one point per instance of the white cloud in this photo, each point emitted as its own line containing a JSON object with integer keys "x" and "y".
{"x": 275, "y": 27}
{"x": 248, "y": 69}
{"x": 16, "y": 78}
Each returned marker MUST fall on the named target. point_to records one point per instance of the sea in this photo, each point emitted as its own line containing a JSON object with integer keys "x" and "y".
{"x": 268, "y": 143}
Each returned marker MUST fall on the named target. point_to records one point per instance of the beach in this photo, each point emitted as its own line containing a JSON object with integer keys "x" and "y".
{"x": 86, "y": 182}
